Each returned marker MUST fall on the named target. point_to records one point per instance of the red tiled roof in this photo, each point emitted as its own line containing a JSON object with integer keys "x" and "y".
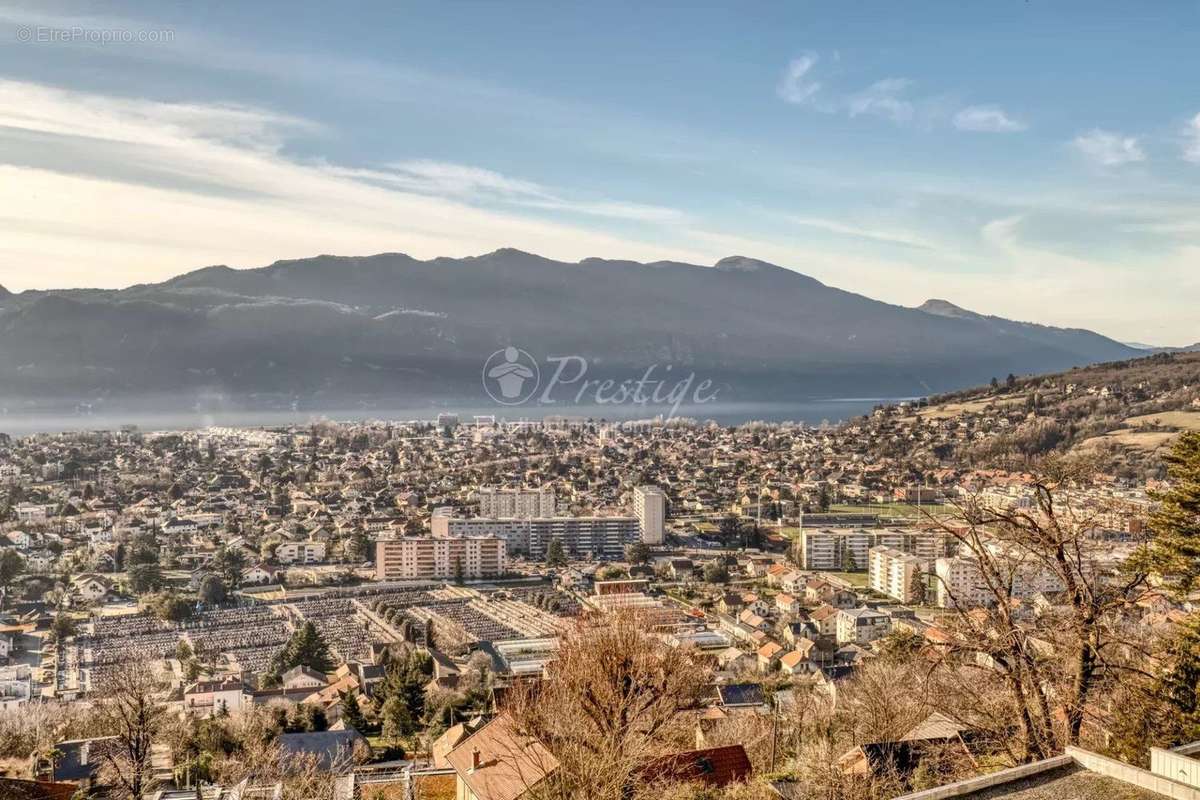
{"x": 716, "y": 766}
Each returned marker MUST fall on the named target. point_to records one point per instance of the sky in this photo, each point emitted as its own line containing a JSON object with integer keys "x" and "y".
{"x": 1035, "y": 160}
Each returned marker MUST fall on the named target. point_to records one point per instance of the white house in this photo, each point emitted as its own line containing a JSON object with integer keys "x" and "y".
{"x": 259, "y": 573}
{"x": 300, "y": 552}
{"x": 211, "y": 697}
{"x": 32, "y": 512}
{"x": 90, "y": 588}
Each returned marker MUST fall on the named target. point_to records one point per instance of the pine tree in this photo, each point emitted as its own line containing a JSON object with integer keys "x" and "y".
{"x": 555, "y": 556}
{"x": 396, "y": 719}
{"x": 918, "y": 589}
{"x": 1175, "y": 550}
{"x": 307, "y": 648}
{"x": 352, "y": 713}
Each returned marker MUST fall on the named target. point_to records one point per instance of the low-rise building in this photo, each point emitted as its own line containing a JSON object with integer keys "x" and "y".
{"x": 430, "y": 557}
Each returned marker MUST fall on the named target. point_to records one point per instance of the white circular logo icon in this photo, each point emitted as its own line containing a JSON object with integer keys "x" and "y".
{"x": 510, "y": 376}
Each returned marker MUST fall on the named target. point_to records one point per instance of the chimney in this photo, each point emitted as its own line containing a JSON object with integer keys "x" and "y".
{"x": 475, "y": 760}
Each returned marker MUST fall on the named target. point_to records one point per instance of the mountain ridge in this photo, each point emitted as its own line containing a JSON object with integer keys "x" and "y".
{"x": 390, "y": 327}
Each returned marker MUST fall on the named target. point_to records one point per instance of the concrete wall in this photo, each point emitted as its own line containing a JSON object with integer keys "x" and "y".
{"x": 987, "y": 781}
{"x": 1135, "y": 776}
{"x": 1176, "y": 766}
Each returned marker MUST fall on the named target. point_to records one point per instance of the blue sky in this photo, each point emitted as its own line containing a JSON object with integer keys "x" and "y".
{"x": 1036, "y": 160}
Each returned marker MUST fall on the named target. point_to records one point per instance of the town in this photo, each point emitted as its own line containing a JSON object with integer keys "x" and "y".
{"x": 386, "y": 592}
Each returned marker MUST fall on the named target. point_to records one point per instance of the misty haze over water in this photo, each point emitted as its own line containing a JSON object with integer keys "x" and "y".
{"x": 811, "y": 412}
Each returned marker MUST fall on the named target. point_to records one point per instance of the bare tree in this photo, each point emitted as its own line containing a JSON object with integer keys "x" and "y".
{"x": 1013, "y": 549}
{"x": 615, "y": 697}
{"x": 133, "y": 711}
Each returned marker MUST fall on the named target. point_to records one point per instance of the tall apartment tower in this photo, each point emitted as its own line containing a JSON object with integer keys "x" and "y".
{"x": 499, "y": 503}
{"x": 650, "y": 507}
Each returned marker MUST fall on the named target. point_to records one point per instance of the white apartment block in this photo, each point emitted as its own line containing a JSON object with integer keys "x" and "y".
{"x": 31, "y": 512}
{"x": 650, "y": 507}
{"x": 892, "y": 572}
{"x": 861, "y": 625}
{"x": 431, "y": 558}
{"x": 501, "y": 503}
{"x": 16, "y": 686}
{"x": 832, "y": 549}
{"x": 960, "y": 582}
{"x": 300, "y": 552}
{"x": 603, "y": 537}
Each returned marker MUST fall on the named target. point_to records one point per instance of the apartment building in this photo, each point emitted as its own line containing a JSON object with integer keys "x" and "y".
{"x": 861, "y": 625}
{"x": 300, "y": 553}
{"x": 500, "y": 503}
{"x": 432, "y": 558}
{"x": 893, "y": 573}
{"x": 603, "y": 537}
{"x": 960, "y": 582}
{"x": 650, "y": 507}
{"x": 848, "y": 549}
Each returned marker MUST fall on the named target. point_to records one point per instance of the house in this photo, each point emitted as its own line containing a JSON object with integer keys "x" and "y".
{"x": 302, "y": 677}
{"x": 741, "y": 695}
{"x": 452, "y": 738}
{"x": 681, "y": 569}
{"x": 20, "y": 539}
{"x": 19, "y": 789}
{"x": 861, "y": 625}
{"x": 300, "y": 553}
{"x": 259, "y": 574}
{"x": 90, "y": 587}
{"x": 734, "y": 659}
{"x": 80, "y": 760}
{"x": 332, "y": 751}
{"x": 826, "y": 620}
{"x": 793, "y": 582}
{"x": 768, "y": 656}
{"x": 794, "y": 662}
{"x": 713, "y": 767}
{"x": 786, "y": 604}
{"x": 216, "y": 696}
{"x": 499, "y": 763}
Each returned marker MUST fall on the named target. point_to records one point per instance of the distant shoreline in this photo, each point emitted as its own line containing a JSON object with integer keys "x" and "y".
{"x": 811, "y": 412}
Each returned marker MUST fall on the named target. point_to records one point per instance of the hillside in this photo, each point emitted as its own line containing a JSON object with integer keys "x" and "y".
{"x": 378, "y": 331}
{"x": 1124, "y": 413}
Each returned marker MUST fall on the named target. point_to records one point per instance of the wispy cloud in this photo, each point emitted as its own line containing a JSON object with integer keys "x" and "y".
{"x": 862, "y": 232}
{"x": 168, "y": 187}
{"x": 795, "y": 86}
{"x": 1191, "y": 140}
{"x": 476, "y": 184}
{"x": 1108, "y": 149}
{"x": 987, "y": 119}
{"x": 885, "y": 99}
{"x": 894, "y": 99}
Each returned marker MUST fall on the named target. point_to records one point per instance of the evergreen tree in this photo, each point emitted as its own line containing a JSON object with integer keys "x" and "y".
{"x": 848, "y": 562}
{"x": 11, "y": 566}
{"x": 396, "y": 720}
{"x": 1175, "y": 550}
{"x": 307, "y": 648}
{"x": 919, "y": 589}
{"x": 352, "y": 713}
{"x": 555, "y": 555}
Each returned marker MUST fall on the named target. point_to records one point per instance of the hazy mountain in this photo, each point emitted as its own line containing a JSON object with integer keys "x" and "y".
{"x": 387, "y": 330}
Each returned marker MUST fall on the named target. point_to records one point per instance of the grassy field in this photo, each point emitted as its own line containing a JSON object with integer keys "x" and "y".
{"x": 1147, "y": 441}
{"x": 1180, "y": 420}
{"x": 887, "y": 509}
{"x": 858, "y": 579}
{"x": 951, "y": 410}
